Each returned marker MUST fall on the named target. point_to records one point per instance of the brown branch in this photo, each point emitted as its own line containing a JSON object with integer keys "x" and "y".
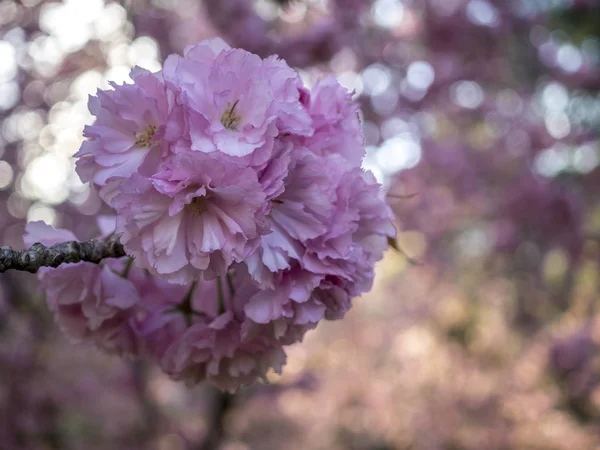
{"x": 221, "y": 404}
{"x": 39, "y": 255}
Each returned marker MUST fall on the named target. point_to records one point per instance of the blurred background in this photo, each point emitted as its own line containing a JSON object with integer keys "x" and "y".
{"x": 482, "y": 120}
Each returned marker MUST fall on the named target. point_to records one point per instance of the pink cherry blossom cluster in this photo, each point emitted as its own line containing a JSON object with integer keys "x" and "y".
{"x": 240, "y": 196}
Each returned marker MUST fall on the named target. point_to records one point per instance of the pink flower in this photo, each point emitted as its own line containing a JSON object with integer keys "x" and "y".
{"x": 89, "y": 301}
{"x": 195, "y": 217}
{"x": 363, "y": 226}
{"x": 329, "y": 227}
{"x": 133, "y": 124}
{"x": 236, "y": 103}
{"x": 43, "y": 233}
{"x": 287, "y": 299}
{"x": 213, "y": 350}
{"x": 300, "y": 212}
{"x": 206, "y": 335}
{"x": 337, "y": 126}
{"x": 160, "y": 317}
{"x": 234, "y": 182}
{"x": 94, "y": 303}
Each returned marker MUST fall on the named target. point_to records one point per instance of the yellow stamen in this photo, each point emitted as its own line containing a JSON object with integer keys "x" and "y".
{"x": 144, "y": 139}
{"x": 230, "y": 119}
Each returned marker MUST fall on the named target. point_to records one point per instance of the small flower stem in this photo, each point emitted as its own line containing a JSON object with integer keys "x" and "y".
{"x": 220, "y": 296}
{"x": 185, "y": 306}
{"x": 394, "y": 244}
{"x": 230, "y": 285}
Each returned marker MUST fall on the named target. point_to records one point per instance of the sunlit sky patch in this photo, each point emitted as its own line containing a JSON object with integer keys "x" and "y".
{"x": 387, "y": 13}
{"x": 48, "y": 147}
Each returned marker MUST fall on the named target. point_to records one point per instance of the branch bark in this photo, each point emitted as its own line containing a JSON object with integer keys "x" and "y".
{"x": 39, "y": 255}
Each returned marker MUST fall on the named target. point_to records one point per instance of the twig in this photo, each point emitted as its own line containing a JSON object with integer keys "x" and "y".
{"x": 39, "y": 255}
{"x": 394, "y": 244}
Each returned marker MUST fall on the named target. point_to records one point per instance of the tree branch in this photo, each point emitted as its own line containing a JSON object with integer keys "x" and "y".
{"x": 39, "y": 255}
{"x": 222, "y": 402}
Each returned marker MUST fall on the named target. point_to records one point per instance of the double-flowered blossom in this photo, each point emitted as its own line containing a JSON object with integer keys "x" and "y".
{"x": 240, "y": 196}
{"x": 195, "y": 215}
{"x": 89, "y": 301}
{"x": 235, "y": 102}
{"x": 193, "y": 332}
{"x": 134, "y": 124}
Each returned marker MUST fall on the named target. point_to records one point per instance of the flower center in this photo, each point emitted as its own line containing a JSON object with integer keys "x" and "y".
{"x": 144, "y": 139}
{"x": 198, "y": 205}
{"x": 230, "y": 119}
